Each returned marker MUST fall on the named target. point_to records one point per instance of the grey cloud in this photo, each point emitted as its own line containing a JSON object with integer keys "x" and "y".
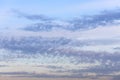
{"x": 4, "y": 66}
{"x": 116, "y": 77}
{"x": 55, "y": 67}
{"x": 29, "y": 74}
{"x": 48, "y": 47}
{"x": 92, "y": 21}
{"x": 117, "y": 48}
{"x": 32, "y": 16}
{"x": 81, "y": 23}
{"x": 50, "y": 66}
{"x": 33, "y": 44}
{"x": 14, "y": 73}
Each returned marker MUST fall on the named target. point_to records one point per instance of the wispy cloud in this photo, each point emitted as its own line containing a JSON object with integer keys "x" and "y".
{"x": 32, "y": 17}
{"x": 108, "y": 17}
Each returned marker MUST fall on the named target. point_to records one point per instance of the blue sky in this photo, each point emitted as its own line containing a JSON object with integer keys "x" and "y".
{"x": 59, "y": 8}
{"x": 62, "y": 8}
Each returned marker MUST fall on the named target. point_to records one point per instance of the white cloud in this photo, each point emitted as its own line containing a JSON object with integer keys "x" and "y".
{"x": 104, "y": 32}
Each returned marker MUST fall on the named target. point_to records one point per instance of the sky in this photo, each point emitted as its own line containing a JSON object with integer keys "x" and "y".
{"x": 60, "y": 38}
{"x": 62, "y": 9}
{"x": 16, "y": 14}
